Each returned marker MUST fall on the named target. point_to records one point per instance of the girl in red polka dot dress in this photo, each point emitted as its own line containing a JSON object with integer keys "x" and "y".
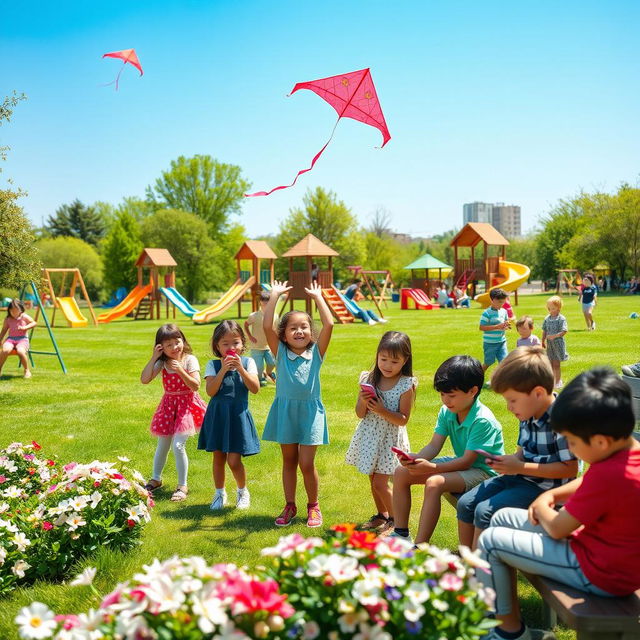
{"x": 181, "y": 410}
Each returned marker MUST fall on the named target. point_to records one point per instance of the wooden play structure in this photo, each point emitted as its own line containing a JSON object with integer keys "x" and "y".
{"x": 308, "y": 248}
{"x": 65, "y": 300}
{"x": 154, "y": 260}
{"x": 255, "y": 251}
{"x": 371, "y": 278}
{"x": 435, "y": 271}
{"x": 569, "y": 280}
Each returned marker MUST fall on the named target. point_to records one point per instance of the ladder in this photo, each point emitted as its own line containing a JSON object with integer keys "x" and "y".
{"x": 143, "y": 310}
{"x": 337, "y": 306}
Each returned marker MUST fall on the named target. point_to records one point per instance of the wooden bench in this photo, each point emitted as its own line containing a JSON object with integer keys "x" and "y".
{"x": 592, "y": 617}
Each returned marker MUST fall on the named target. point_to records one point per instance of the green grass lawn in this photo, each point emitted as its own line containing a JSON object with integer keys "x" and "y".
{"x": 100, "y": 410}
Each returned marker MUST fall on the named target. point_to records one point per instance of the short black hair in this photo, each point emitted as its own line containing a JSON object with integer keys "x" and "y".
{"x": 265, "y": 296}
{"x": 459, "y": 373}
{"x": 498, "y": 294}
{"x": 597, "y": 402}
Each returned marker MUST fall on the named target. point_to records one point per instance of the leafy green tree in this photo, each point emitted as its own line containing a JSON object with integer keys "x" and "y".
{"x": 523, "y": 250}
{"x": 77, "y": 221}
{"x": 185, "y": 236}
{"x": 330, "y": 220}
{"x": 120, "y": 250}
{"x": 65, "y": 252}
{"x": 201, "y": 185}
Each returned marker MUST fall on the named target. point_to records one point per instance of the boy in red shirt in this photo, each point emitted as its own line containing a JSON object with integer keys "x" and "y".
{"x": 591, "y": 543}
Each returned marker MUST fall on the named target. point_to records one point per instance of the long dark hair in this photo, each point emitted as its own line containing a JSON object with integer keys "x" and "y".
{"x": 398, "y": 345}
{"x": 170, "y": 332}
{"x": 284, "y": 321}
{"x": 226, "y": 326}
{"x": 16, "y": 302}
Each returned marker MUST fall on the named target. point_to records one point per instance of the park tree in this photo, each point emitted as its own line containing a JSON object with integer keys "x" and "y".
{"x": 19, "y": 260}
{"x": 330, "y": 220}
{"x": 380, "y": 222}
{"x": 65, "y": 252}
{"x": 77, "y": 221}
{"x": 120, "y": 250}
{"x": 203, "y": 186}
{"x": 185, "y": 236}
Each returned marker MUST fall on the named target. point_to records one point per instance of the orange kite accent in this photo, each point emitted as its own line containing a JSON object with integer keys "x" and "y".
{"x": 126, "y": 55}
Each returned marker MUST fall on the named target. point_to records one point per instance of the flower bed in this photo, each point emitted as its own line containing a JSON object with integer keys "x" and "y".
{"x": 351, "y": 586}
{"x": 50, "y": 516}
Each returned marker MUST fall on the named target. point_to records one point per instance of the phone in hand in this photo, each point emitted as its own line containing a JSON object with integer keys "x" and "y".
{"x": 485, "y": 454}
{"x": 402, "y": 454}
{"x": 369, "y": 389}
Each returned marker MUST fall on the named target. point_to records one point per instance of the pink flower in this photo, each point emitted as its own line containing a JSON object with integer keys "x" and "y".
{"x": 250, "y": 595}
{"x": 450, "y": 582}
{"x": 3, "y": 479}
{"x": 29, "y": 456}
{"x": 110, "y": 599}
{"x": 71, "y": 465}
{"x": 47, "y": 526}
{"x": 68, "y": 621}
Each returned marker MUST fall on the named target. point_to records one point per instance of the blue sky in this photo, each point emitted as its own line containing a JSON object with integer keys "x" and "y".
{"x": 522, "y": 103}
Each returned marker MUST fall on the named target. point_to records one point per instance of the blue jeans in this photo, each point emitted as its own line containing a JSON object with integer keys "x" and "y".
{"x": 478, "y": 505}
{"x": 512, "y": 541}
{"x": 365, "y": 315}
{"x": 262, "y": 357}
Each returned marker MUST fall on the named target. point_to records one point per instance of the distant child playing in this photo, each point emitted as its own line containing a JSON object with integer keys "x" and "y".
{"x": 588, "y": 296}
{"x": 554, "y": 328}
{"x": 228, "y": 430}
{"x": 383, "y": 419}
{"x": 470, "y": 426}
{"x": 524, "y": 327}
{"x": 493, "y": 322}
{"x": 16, "y": 325}
{"x": 591, "y": 543}
{"x": 542, "y": 460}
{"x": 259, "y": 348}
{"x": 297, "y": 419}
{"x": 180, "y": 412}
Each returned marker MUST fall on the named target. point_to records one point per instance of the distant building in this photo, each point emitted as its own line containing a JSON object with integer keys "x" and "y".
{"x": 477, "y": 212}
{"x": 506, "y": 219}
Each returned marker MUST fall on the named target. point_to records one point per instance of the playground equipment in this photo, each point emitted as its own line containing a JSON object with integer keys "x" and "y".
{"x": 178, "y": 300}
{"x": 67, "y": 303}
{"x": 416, "y": 299}
{"x": 432, "y": 267}
{"x": 117, "y": 297}
{"x": 33, "y": 295}
{"x": 133, "y": 299}
{"x": 308, "y": 248}
{"x": 571, "y": 279}
{"x": 338, "y": 306}
{"x": 247, "y": 281}
{"x": 368, "y": 276}
{"x": 495, "y": 270}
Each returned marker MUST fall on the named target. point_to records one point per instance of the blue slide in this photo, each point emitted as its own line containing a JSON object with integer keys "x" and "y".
{"x": 357, "y": 311}
{"x": 177, "y": 300}
{"x": 118, "y": 296}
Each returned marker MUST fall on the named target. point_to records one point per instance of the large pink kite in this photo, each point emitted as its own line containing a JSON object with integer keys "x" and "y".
{"x": 352, "y": 95}
{"x": 127, "y": 55}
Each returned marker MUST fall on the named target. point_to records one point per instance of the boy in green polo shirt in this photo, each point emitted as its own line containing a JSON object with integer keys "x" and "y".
{"x": 470, "y": 426}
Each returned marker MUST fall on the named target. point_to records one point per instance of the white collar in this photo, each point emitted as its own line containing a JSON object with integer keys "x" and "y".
{"x": 307, "y": 354}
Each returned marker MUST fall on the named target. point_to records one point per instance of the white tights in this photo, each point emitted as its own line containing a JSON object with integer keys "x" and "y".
{"x": 179, "y": 441}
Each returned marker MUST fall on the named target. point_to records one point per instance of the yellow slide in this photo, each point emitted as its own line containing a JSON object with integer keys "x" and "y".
{"x": 513, "y": 275}
{"x": 71, "y": 312}
{"x": 235, "y": 293}
{"x": 127, "y": 305}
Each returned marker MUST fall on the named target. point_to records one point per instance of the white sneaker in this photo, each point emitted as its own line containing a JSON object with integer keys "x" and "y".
{"x": 243, "y": 499}
{"x": 219, "y": 500}
{"x": 593, "y": 326}
{"x": 372, "y": 321}
{"x": 382, "y": 320}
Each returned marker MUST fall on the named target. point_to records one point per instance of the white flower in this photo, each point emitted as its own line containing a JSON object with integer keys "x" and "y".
{"x": 367, "y": 592}
{"x": 210, "y": 613}
{"x": 339, "y": 568}
{"x": 394, "y": 578}
{"x": 4, "y": 507}
{"x": 123, "y": 459}
{"x": 21, "y": 541}
{"x": 417, "y": 592}
{"x": 79, "y": 503}
{"x": 348, "y": 622}
{"x": 473, "y": 558}
{"x": 413, "y": 611}
{"x": 36, "y": 621}
{"x": 85, "y": 578}
{"x": 88, "y": 624}
{"x": 74, "y": 521}
{"x": 368, "y": 632}
{"x": 229, "y": 632}
{"x": 12, "y": 492}
{"x": 310, "y": 630}
{"x": 20, "y": 567}
{"x": 440, "y": 605}
{"x": 138, "y": 476}
{"x": 9, "y": 526}
{"x": 96, "y": 496}
{"x": 3, "y": 555}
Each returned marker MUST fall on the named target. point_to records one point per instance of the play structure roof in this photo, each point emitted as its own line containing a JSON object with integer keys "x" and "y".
{"x": 155, "y": 258}
{"x": 310, "y": 246}
{"x": 427, "y": 261}
{"x": 255, "y": 249}
{"x": 474, "y": 232}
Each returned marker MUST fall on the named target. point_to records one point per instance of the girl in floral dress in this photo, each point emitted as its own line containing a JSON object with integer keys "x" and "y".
{"x": 383, "y": 420}
{"x": 181, "y": 410}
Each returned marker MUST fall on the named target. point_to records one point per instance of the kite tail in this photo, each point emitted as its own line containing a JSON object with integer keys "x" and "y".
{"x": 286, "y": 186}
{"x": 108, "y": 84}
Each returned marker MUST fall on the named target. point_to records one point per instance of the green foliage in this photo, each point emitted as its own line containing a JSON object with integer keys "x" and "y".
{"x": 6, "y": 111}
{"x": 330, "y": 220}
{"x": 523, "y": 250}
{"x": 72, "y": 253}
{"x": 201, "y": 185}
{"x": 228, "y": 245}
{"x": 184, "y": 235}
{"x": 120, "y": 250}
{"x": 19, "y": 260}
{"x": 77, "y": 221}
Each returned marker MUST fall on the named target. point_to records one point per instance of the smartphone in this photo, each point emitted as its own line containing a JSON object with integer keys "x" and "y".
{"x": 485, "y": 454}
{"x": 369, "y": 389}
{"x": 402, "y": 454}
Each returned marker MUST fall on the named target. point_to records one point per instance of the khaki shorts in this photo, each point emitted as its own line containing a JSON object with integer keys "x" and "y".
{"x": 471, "y": 477}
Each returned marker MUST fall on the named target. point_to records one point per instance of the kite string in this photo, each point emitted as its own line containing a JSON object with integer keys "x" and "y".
{"x": 313, "y": 161}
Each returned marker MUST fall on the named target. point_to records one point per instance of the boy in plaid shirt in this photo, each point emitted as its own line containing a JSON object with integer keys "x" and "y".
{"x": 542, "y": 460}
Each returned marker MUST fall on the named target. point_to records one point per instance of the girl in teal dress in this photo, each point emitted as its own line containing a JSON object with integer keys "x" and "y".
{"x": 297, "y": 419}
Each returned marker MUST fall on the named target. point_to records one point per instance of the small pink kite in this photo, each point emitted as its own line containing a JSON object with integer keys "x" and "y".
{"x": 127, "y": 55}
{"x": 352, "y": 95}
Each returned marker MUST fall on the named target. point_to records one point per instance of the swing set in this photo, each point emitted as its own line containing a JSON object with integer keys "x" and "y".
{"x": 570, "y": 279}
{"x": 376, "y": 284}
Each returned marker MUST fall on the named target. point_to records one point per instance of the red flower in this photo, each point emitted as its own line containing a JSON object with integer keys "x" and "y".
{"x": 31, "y": 471}
{"x": 363, "y": 540}
{"x": 254, "y": 595}
{"x": 131, "y": 523}
{"x": 117, "y": 476}
{"x": 50, "y": 463}
{"x": 96, "y": 484}
{"x": 344, "y": 527}
{"x": 47, "y": 526}
{"x": 461, "y": 598}
{"x": 36, "y": 446}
